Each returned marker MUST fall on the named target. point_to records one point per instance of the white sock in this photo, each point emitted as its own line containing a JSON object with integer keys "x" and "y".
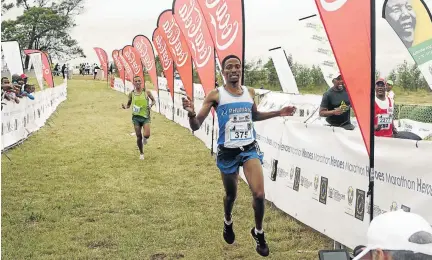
{"x": 227, "y": 222}
{"x": 258, "y": 231}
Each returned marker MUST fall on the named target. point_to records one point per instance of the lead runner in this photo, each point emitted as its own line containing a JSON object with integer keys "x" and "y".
{"x": 237, "y": 146}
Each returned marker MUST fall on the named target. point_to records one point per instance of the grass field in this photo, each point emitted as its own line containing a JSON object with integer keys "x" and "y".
{"x": 77, "y": 190}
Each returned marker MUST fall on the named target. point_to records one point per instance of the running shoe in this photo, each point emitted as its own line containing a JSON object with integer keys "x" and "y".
{"x": 228, "y": 233}
{"x": 261, "y": 244}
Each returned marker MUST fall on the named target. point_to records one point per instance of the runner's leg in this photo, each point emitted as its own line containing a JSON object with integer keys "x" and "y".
{"x": 139, "y": 137}
{"x": 230, "y": 182}
{"x": 254, "y": 176}
{"x": 146, "y": 129}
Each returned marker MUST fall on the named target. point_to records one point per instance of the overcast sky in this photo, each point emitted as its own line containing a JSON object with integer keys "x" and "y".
{"x": 112, "y": 24}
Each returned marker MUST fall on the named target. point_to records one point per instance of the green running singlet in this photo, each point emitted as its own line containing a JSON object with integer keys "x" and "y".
{"x": 140, "y": 104}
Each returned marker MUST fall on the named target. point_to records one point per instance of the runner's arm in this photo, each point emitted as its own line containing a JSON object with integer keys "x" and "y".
{"x": 260, "y": 116}
{"x": 196, "y": 121}
{"x": 129, "y": 102}
{"x": 150, "y": 95}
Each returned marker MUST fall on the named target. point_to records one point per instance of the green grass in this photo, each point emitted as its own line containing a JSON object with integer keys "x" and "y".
{"x": 77, "y": 190}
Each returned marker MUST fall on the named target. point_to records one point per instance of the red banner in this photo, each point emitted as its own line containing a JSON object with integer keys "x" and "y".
{"x": 225, "y": 20}
{"x": 347, "y": 24}
{"x": 133, "y": 57}
{"x": 143, "y": 45}
{"x": 46, "y": 68}
{"x": 119, "y": 64}
{"x": 165, "y": 59}
{"x": 126, "y": 66}
{"x": 103, "y": 59}
{"x": 191, "y": 22}
{"x": 178, "y": 48}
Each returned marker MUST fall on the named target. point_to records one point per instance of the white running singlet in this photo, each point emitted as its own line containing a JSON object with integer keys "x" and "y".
{"x": 235, "y": 119}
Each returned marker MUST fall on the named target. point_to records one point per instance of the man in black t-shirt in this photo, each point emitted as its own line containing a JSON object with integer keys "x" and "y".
{"x": 336, "y": 106}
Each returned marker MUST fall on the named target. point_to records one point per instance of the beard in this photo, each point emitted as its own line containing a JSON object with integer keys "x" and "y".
{"x": 234, "y": 81}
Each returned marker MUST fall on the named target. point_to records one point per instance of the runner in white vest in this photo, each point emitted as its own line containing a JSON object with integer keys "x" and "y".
{"x": 237, "y": 146}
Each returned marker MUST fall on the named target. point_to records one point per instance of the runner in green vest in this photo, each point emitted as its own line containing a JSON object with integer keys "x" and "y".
{"x": 138, "y": 99}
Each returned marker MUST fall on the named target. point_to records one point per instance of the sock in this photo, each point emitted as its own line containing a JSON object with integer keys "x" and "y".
{"x": 228, "y": 222}
{"x": 258, "y": 231}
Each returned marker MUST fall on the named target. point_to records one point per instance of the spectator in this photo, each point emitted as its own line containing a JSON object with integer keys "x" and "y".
{"x": 63, "y": 70}
{"x": 8, "y": 90}
{"x": 336, "y": 105}
{"x": 384, "y": 108}
{"x": 96, "y": 70}
{"x": 397, "y": 235}
{"x": 5, "y": 84}
{"x": 24, "y": 78}
{"x": 28, "y": 89}
{"x": 17, "y": 84}
{"x": 390, "y": 92}
{"x": 87, "y": 69}
{"x": 57, "y": 70}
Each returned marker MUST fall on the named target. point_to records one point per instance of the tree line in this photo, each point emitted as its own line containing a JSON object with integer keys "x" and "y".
{"x": 258, "y": 74}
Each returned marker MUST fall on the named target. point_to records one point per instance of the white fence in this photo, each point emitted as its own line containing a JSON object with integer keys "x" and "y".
{"x": 319, "y": 174}
{"x": 18, "y": 121}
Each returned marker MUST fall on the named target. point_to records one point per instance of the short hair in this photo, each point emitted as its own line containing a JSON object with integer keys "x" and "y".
{"x": 229, "y": 57}
{"x": 136, "y": 76}
{"x": 4, "y": 78}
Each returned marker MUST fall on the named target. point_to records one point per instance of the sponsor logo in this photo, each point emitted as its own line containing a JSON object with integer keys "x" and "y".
{"x": 332, "y": 5}
{"x": 162, "y": 49}
{"x": 125, "y": 65}
{"x": 405, "y": 208}
{"x": 376, "y": 209}
{"x": 102, "y": 58}
{"x": 304, "y": 182}
{"x": 225, "y": 30}
{"x": 323, "y": 190}
{"x": 360, "y": 204}
{"x": 274, "y": 170}
{"x": 130, "y": 55}
{"x": 117, "y": 61}
{"x": 350, "y": 195}
{"x": 394, "y": 206}
{"x": 297, "y": 179}
{"x": 143, "y": 49}
{"x": 335, "y": 194}
{"x": 193, "y": 22}
{"x": 316, "y": 182}
{"x": 172, "y": 32}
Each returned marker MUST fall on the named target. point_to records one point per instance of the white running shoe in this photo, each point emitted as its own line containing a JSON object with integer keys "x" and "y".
{"x": 141, "y": 156}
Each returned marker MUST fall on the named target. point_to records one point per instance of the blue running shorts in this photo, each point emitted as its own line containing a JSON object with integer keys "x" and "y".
{"x": 230, "y": 159}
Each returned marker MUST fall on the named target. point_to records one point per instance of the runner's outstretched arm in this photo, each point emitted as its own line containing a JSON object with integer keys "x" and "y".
{"x": 150, "y": 95}
{"x": 260, "y": 116}
{"x": 195, "y": 120}
{"x": 129, "y": 102}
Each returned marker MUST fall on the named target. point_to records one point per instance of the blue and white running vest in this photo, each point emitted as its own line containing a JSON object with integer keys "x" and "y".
{"x": 235, "y": 119}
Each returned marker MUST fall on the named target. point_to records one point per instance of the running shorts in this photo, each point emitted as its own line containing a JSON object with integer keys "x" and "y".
{"x": 230, "y": 159}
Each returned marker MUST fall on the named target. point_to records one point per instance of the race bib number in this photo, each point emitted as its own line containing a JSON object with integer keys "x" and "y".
{"x": 136, "y": 109}
{"x": 240, "y": 127}
{"x": 384, "y": 120}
